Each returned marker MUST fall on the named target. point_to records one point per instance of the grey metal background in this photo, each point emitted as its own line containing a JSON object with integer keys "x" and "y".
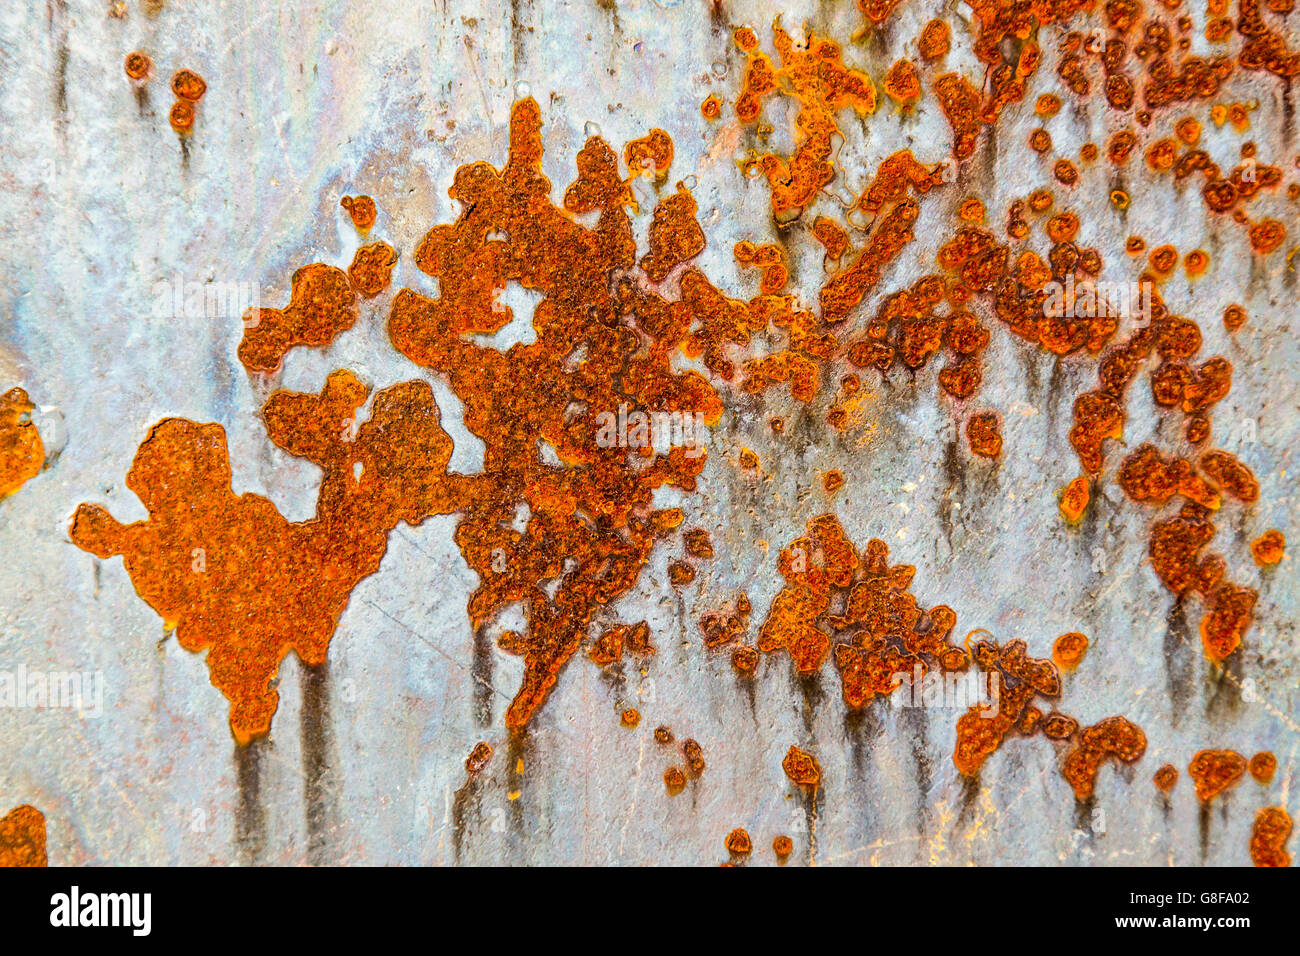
{"x": 310, "y": 101}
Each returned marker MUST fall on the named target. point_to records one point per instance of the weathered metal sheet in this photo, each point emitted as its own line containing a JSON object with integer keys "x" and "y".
{"x": 365, "y": 762}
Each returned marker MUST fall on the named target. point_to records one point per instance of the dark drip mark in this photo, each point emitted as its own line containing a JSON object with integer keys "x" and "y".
{"x": 1203, "y": 822}
{"x": 465, "y": 799}
{"x": 813, "y": 801}
{"x": 1288, "y": 109}
{"x": 1056, "y": 394}
{"x": 916, "y": 722}
{"x": 519, "y": 753}
{"x": 59, "y": 19}
{"x": 615, "y": 679}
{"x": 516, "y": 36}
{"x": 810, "y": 688}
{"x": 185, "y": 153}
{"x": 250, "y": 819}
{"x": 747, "y": 685}
{"x": 717, "y": 16}
{"x": 970, "y": 791}
{"x": 482, "y": 673}
{"x": 142, "y": 100}
{"x": 1083, "y": 816}
{"x": 956, "y": 475}
{"x": 1225, "y": 683}
{"x": 315, "y": 731}
{"x": 1178, "y": 659}
{"x": 860, "y": 727}
{"x": 1032, "y": 377}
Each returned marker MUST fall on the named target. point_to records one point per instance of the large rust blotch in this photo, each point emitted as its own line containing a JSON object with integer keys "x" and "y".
{"x": 557, "y": 415}
{"x": 236, "y": 578}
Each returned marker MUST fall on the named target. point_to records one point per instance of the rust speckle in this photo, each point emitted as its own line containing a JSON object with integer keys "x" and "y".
{"x": 478, "y": 758}
{"x": 738, "y": 842}
{"x": 802, "y": 768}
{"x": 188, "y": 86}
{"x": 1269, "y": 548}
{"x": 1262, "y": 766}
{"x": 138, "y": 67}
{"x": 1069, "y": 649}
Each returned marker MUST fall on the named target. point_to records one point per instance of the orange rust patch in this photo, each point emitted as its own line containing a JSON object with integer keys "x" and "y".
{"x": 935, "y": 40}
{"x": 138, "y": 66}
{"x": 694, "y": 755}
{"x": 188, "y": 85}
{"x": 738, "y": 842}
{"x": 814, "y": 75}
{"x": 22, "y": 453}
{"x": 1068, "y": 650}
{"x": 1214, "y": 771}
{"x": 1114, "y": 737}
{"x": 230, "y": 573}
{"x": 802, "y": 768}
{"x": 1166, "y": 777}
{"x": 1268, "y": 837}
{"x": 1075, "y": 498}
{"x": 674, "y": 780}
{"x": 321, "y": 305}
{"x": 902, "y": 82}
{"x": 984, "y": 434}
{"x": 372, "y": 269}
{"x": 362, "y": 211}
{"x": 181, "y": 116}
{"x": 22, "y": 838}
{"x": 1268, "y": 548}
{"x": 1262, "y": 766}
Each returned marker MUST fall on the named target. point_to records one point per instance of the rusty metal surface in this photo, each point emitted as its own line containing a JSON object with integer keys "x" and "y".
{"x": 308, "y": 102}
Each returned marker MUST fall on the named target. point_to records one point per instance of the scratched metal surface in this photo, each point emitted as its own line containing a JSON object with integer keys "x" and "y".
{"x": 307, "y": 102}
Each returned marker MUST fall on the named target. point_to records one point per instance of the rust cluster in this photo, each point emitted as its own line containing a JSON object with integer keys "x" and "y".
{"x": 1021, "y": 681}
{"x": 233, "y": 576}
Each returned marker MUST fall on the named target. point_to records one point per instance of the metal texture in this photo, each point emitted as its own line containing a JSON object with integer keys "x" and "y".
{"x": 309, "y": 102}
